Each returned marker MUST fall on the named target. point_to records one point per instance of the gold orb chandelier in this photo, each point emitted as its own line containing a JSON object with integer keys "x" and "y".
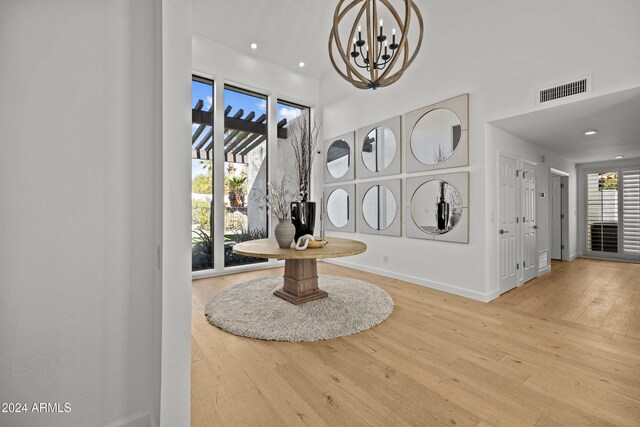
{"x": 368, "y": 58}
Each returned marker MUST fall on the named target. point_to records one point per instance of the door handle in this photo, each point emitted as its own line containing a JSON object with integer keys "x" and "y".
{"x": 503, "y": 231}
{"x": 535, "y": 227}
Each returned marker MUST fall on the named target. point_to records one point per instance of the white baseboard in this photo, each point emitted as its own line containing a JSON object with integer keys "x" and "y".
{"x": 478, "y": 296}
{"x": 139, "y": 419}
{"x": 627, "y": 260}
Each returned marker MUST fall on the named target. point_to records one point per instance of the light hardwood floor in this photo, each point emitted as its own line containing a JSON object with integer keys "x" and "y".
{"x": 564, "y": 349}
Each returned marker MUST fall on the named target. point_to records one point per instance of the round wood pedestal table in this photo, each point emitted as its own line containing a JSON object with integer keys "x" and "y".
{"x": 300, "y": 269}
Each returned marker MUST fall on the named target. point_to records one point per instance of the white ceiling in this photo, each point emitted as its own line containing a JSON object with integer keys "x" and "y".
{"x": 287, "y": 31}
{"x": 561, "y": 129}
{"x": 290, "y": 31}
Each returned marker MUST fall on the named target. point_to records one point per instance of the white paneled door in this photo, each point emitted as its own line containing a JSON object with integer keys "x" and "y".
{"x": 556, "y": 216}
{"x": 529, "y": 227}
{"x": 507, "y": 183}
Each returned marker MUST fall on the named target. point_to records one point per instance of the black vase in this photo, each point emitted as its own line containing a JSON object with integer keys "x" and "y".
{"x": 303, "y": 217}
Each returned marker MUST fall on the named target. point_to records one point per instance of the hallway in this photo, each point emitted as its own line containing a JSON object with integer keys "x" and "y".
{"x": 594, "y": 293}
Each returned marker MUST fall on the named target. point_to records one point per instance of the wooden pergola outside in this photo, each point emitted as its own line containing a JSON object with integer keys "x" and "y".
{"x": 242, "y": 134}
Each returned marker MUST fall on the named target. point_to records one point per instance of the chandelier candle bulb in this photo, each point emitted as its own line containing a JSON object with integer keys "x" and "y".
{"x": 381, "y": 37}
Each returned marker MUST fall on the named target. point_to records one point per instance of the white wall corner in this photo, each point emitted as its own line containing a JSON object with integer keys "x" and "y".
{"x": 176, "y": 213}
{"x": 491, "y": 295}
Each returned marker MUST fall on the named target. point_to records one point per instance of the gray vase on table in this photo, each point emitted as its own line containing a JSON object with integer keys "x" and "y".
{"x": 284, "y": 233}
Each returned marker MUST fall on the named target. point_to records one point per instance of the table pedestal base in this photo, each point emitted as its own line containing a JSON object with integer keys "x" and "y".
{"x": 300, "y": 282}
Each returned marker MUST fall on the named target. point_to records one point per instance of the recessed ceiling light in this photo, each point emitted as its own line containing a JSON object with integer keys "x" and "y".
{"x": 591, "y": 132}
{"x": 619, "y": 157}
{"x": 301, "y": 64}
{"x": 254, "y": 46}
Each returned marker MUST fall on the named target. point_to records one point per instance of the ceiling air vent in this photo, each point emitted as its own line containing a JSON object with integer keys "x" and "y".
{"x": 576, "y": 87}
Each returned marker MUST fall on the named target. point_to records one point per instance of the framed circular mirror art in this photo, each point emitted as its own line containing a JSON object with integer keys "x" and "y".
{"x": 379, "y": 207}
{"x": 437, "y": 217}
{"x": 379, "y": 149}
{"x": 438, "y": 207}
{"x": 338, "y": 158}
{"x": 438, "y": 135}
{"x": 339, "y": 208}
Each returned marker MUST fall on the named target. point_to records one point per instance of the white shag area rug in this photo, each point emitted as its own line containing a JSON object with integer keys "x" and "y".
{"x": 251, "y": 310}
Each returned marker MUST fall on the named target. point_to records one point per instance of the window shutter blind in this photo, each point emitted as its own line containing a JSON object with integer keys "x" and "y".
{"x": 602, "y": 212}
{"x": 631, "y": 211}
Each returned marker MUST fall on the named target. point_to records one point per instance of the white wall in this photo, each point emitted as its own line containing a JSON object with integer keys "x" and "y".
{"x": 80, "y": 152}
{"x": 500, "y": 56}
{"x": 237, "y": 68}
{"x": 176, "y": 213}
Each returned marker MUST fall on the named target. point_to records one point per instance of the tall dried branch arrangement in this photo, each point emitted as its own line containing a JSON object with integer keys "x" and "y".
{"x": 304, "y": 140}
{"x": 277, "y": 199}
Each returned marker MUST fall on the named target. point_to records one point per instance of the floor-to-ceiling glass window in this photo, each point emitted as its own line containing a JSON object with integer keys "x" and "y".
{"x": 245, "y": 171}
{"x": 201, "y": 174}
